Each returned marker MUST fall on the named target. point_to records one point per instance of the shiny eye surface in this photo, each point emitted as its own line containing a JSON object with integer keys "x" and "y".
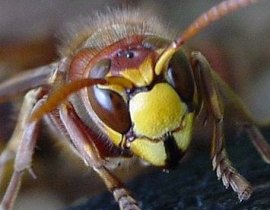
{"x": 180, "y": 77}
{"x": 110, "y": 108}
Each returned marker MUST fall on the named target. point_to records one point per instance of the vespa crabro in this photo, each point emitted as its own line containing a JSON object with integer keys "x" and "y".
{"x": 122, "y": 89}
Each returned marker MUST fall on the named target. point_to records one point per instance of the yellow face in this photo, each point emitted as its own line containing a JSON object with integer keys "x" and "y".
{"x": 156, "y": 115}
{"x": 159, "y": 123}
{"x": 146, "y": 111}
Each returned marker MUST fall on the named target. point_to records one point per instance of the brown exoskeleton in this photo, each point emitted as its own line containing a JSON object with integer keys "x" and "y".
{"x": 122, "y": 88}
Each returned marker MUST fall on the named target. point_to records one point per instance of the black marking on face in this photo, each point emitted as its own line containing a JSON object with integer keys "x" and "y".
{"x": 173, "y": 153}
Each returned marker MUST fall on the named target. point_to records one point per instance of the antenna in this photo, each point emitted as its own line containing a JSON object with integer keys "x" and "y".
{"x": 61, "y": 94}
{"x": 212, "y": 15}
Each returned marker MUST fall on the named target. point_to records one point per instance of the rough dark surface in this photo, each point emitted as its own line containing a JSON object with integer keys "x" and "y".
{"x": 193, "y": 185}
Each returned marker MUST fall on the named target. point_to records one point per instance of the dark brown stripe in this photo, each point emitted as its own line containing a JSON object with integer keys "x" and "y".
{"x": 173, "y": 153}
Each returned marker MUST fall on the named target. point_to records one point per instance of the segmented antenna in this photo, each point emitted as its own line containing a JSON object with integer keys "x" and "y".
{"x": 212, "y": 15}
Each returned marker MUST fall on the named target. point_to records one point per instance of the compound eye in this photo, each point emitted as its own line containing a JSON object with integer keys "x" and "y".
{"x": 110, "y": 108}
{"x": 179, "y": 76}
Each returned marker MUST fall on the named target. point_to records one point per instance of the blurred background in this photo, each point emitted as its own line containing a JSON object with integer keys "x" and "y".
{"x": 236, "y": 46}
